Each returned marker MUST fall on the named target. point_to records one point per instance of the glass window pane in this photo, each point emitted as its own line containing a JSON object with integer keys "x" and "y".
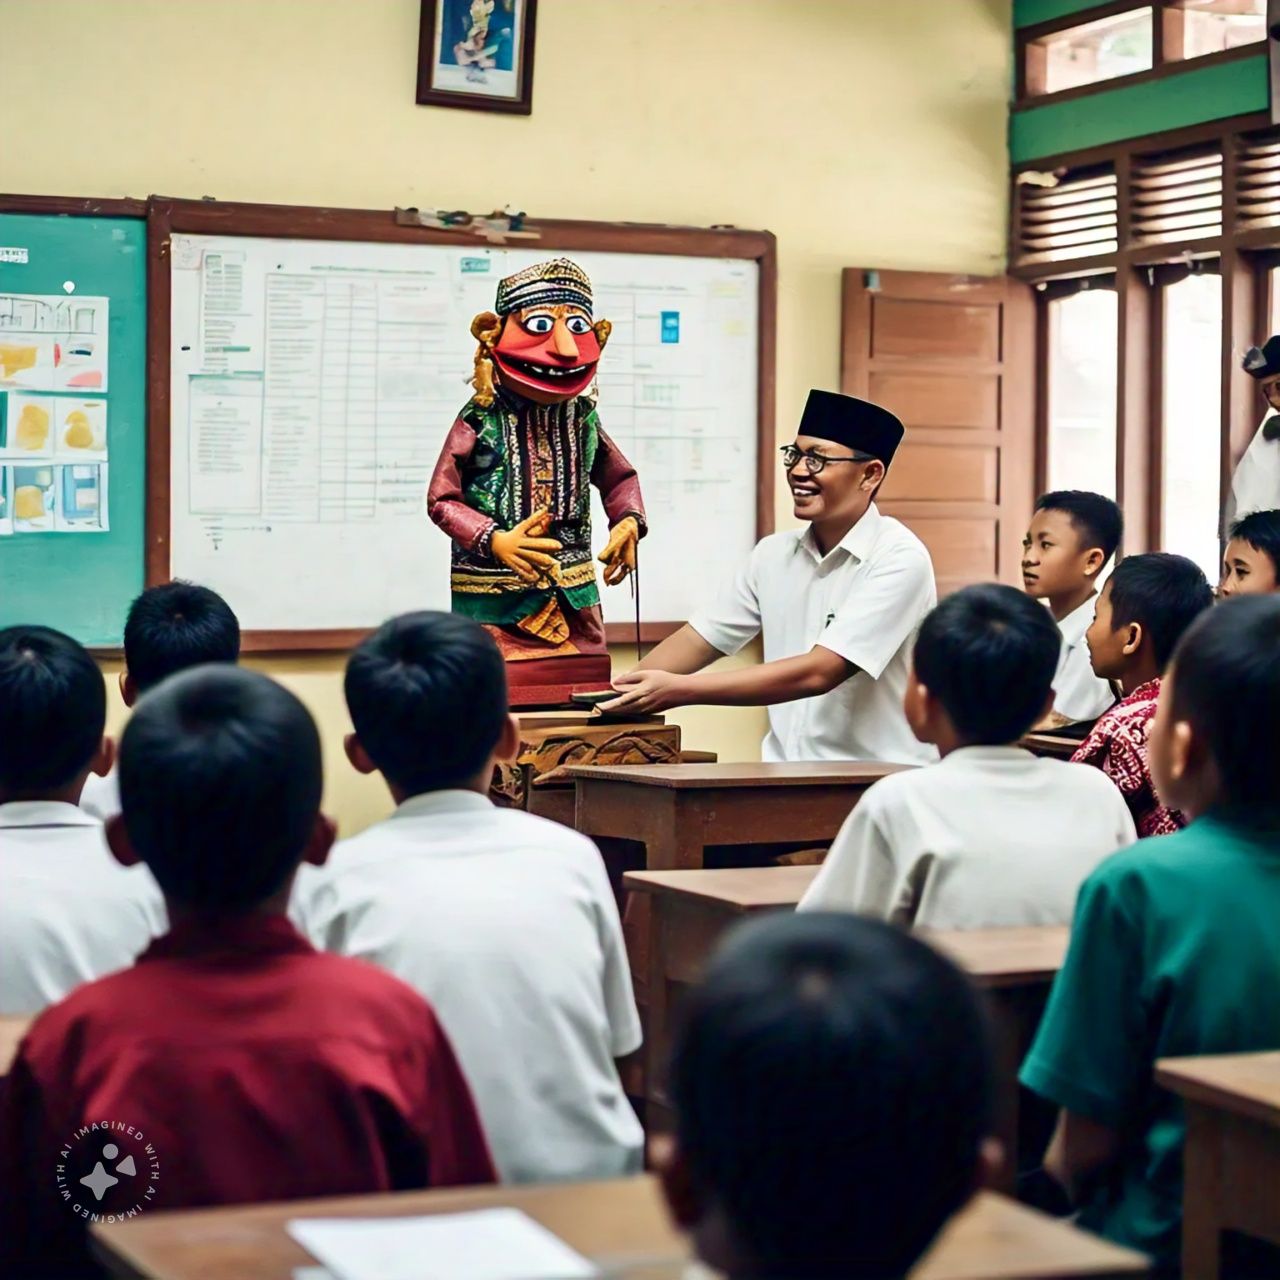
{"x": 1211, "y": 26}
{"x": 1093, "y": 51}
{"x": 1192, "y": 417}
{"x": 1082, "y": 392}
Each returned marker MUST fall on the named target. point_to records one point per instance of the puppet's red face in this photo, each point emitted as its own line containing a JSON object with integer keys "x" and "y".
{"x": 547, "y": 354}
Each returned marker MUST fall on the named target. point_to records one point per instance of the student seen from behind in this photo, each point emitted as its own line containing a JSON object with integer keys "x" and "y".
{"x": 504, "y": 921}
{"x": 1173, "y": 948}
{"x": 1250, "y": 563}
{"x": 1144, "y": 609}
{"x": 68, "y": 911}
{"x": 831, "y": 1081}
{"x": 1071, "y": 539}
{"x": 991, "y": 836}
{"x": 257, "y": 1068}
{"x": 170, "y": 628}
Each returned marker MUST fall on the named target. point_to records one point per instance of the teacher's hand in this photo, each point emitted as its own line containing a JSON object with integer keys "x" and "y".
{"x": 647, "y": 692}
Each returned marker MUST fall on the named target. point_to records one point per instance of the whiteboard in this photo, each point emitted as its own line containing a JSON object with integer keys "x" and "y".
{"x": 313, "y": 383}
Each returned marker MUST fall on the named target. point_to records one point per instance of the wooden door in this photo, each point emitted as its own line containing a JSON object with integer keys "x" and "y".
{"x": 953, "y": 357}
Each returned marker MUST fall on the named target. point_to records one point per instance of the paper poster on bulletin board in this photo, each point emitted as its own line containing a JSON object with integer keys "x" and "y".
{"x": 72, "y": 421}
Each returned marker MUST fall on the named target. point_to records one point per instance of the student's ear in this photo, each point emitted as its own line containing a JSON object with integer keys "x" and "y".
{"x": 508, "y": 747}
{"x": 118, "y": 842}
{"x": 1133, "y": 641}
{"x": 321, "y": 840}
{"x": 873, "y": 475}
{"x": 128, "y": 690}
{"x": 1185, "y": 751}
{"x": 991, "y": 1158}
{"x": 1093, "y": 562}
{"x": 106, "y": 757}
{"x": 678, "y": 1187}
{"x": 1047, "y": 710}
{"x": 357, "y": 755}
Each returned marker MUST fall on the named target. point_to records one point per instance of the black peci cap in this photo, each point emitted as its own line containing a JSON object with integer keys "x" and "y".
{"x": 1263, "y": 362}
{"x": 858, "y": 424}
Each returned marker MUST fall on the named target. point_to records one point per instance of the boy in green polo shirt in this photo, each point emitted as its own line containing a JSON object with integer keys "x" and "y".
{"x": 1174, "y": 945}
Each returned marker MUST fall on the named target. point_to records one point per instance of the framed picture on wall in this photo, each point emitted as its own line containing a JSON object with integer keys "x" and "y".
{"x": 477, "y": 54}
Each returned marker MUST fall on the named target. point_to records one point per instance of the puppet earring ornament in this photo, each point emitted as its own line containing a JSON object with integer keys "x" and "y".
{"x": 486, "y": 328}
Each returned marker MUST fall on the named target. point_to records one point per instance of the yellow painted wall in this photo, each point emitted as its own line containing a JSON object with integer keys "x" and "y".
{"x": 861, "y": 132}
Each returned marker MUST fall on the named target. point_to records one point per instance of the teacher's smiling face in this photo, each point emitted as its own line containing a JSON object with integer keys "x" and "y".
{"x": 830, "y": 482}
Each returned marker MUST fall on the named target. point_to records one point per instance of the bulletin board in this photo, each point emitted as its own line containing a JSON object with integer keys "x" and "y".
{"x": 307, "y": 364}
{"x": 73, "y": 353}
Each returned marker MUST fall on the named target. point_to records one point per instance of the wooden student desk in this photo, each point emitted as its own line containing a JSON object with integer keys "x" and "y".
{"x": 677, "y": 810}
{"x": 689, "y": 910}
{"x": 1231, "y": 1167}
{"x": 621, "y": 1226}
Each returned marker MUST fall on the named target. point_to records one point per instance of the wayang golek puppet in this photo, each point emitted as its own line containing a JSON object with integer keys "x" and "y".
{"x": 511, "y": 487}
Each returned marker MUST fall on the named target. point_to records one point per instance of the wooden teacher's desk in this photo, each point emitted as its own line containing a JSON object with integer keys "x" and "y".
{"x": 1231, "y": 1166}
{"x": 689, "y": 910}
{"x": 620, "y": 1226}
{"x": 677, "y": 810}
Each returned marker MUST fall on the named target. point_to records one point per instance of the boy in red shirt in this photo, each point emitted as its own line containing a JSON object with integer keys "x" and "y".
{"x": 1144, "y": 608}
{"x": 233, "y": 1062}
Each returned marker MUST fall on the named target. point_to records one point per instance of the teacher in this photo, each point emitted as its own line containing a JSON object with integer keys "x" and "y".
{"x": 838, "y": 603}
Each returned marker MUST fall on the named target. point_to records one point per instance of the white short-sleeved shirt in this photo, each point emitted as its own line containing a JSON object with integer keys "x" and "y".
{"x": 69, "y": 912}
{"x": 864, "y": 600}
{"x": 1077, "y": 693}
{"x": 990, "y": 837}
{"x": 507, "y": 924}
{"x": 1255, "y": 484}
{"x": 101, "y": 795}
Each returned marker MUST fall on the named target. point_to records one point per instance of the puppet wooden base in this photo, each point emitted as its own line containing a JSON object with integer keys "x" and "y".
{"x": 547, "y": 744}
{"x": 552, "y": 682}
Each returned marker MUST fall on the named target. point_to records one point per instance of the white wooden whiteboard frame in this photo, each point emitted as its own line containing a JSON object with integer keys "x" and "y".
{"x": 287, "y": 222}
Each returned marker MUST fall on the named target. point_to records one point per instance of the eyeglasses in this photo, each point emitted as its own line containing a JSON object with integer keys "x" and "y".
{"x": 814, "y": 462}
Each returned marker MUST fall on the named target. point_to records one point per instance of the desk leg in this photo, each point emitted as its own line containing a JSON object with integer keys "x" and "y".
{"x": 679, "y": 838}
{"x": 1201, "y": 1195}
{"x": 1008, "y": 1056}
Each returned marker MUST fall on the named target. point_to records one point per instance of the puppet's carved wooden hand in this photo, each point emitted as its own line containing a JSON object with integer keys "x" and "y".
{"x": 525, "y": 551}
{"x": 619, "y": 555}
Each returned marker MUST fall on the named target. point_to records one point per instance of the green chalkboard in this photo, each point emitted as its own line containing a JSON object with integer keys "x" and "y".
{"x": 81, "y": 583}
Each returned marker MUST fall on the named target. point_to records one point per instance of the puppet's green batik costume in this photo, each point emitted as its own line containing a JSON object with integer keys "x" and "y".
{"x": 501, "y": 464}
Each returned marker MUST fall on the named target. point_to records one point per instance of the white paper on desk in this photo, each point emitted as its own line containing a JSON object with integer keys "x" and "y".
{"x": 489, "y": 1244}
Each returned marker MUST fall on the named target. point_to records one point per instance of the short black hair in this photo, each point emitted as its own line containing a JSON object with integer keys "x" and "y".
{"x": 176, "y": 626}
{"x": 427, "y": 693}
{"x": 53, "y": 709}
{"x": 989, "y": 653}
{"x": 832, "y": 1083}
{"x": 1096, "y": 519}
{"x": 1226, "y": 682}
{"x": 1261, "y": 530}
{"x": 1164, "y": 593}
{"x": 220, "y": 783}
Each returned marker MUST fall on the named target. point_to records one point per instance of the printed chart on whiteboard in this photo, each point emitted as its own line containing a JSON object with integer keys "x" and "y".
{"x": 53, "y": 414}
{"x": 313, "y": 383}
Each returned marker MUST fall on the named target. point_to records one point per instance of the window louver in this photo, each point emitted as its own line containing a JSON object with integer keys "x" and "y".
{"x": 1258, "y": 180}
{"x": 1176, "y": 196}
{"x": 1076, "y": 218}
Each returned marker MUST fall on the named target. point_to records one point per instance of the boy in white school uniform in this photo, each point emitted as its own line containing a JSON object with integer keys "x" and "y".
{"x": 990, "y": 837}
{"x": 170, "y": 628}
{"x": 69, "y": 912}
{"x": 837, "y": 603}
{"x": 504, "y": 921}
{"x": 1071, "y": 539}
